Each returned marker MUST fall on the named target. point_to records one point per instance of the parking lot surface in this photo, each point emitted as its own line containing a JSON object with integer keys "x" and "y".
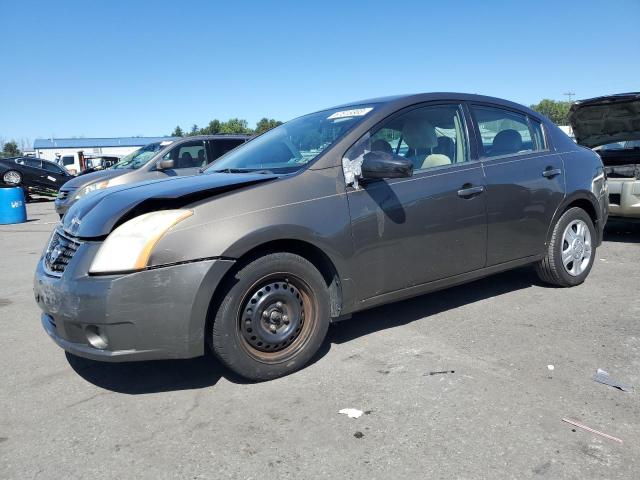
{"x": 498, "y": 415}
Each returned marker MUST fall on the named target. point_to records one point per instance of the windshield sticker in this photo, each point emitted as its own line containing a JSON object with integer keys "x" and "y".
{"x": 356, "y": 112}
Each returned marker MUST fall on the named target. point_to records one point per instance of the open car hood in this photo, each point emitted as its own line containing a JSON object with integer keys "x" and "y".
{"x": 601, "y": 120}
{"x": 97, "y": 214}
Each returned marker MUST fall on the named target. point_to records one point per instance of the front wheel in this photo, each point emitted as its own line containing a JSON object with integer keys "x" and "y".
{"x": 571, "y": 250}
{"x": 273, "y": 318}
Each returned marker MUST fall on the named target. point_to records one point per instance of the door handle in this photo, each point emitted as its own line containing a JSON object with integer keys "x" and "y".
{"x": 551, "y": 172}
{"x": 467, "y": 191}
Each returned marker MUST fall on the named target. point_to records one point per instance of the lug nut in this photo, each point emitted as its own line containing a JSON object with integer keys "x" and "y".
{"x": 285, "y": 319}
{"x": 272, "y": 328}
{"x": 279, "y": 304}
{"x": 265, "y": 314}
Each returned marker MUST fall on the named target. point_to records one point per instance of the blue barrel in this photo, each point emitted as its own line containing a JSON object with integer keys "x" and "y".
{"x": 12, "y": 206}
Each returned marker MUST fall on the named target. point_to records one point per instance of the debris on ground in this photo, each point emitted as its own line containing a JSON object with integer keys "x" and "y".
{"x": 551, "y": 367}
{"x": 588, "y": 429}
{"x": 441, "y": 373}
{"x": 351, "y": 412}
{"x": 602, "y": 376}
{"x": 358, "y": 434}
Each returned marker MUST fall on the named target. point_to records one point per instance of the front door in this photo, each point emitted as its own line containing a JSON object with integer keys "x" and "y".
{"x": 412, "y": 231}
{"x": 525, "y": 182}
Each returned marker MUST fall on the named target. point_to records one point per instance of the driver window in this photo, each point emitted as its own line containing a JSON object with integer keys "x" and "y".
{"x": 428, "y": 136}
{"x": 188, "y": 155}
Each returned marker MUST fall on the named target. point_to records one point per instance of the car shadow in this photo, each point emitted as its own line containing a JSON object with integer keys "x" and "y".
{"x": 135, "y": 378}
{"x": 620, "y": 231}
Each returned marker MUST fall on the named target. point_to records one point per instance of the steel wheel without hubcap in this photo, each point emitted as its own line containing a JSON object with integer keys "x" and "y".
{"x": 12, "y": 177}
{"x": 576, "y": 247}
{"x": 277, "y": 318}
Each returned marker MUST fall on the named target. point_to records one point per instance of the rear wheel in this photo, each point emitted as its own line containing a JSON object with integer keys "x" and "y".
{"x": 571, "y": 250}
{"x": 273, "y": 318}
{"x": 12, "y": 177}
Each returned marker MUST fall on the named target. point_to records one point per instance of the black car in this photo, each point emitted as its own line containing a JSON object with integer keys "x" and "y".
{"x": 34, "y": 175}
{"x": 324, "y": 216}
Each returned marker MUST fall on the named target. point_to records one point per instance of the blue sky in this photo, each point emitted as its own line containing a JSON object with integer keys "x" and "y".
{"x": 119, "y": 68}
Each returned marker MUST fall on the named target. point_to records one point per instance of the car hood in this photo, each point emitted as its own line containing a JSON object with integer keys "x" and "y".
{"x": 602, "y": 120}
{"x": 83, "y": 180}
{"x": 99, "y": 212}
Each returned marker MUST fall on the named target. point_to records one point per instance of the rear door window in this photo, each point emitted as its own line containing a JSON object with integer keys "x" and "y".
{"x": 32, "y": 162}
{"x": 505, "y": 132}
{"x": 220, "y": 147}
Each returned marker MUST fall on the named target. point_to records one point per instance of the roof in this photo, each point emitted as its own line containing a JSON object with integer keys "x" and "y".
{"x": 43, "y": 143}
{"x": 400, "y": 101}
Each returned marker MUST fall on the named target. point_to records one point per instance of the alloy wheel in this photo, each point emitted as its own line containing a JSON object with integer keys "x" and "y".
{"x": 576, "y": 247}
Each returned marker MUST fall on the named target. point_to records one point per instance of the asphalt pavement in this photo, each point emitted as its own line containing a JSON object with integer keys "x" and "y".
{"x": 496, "y": 414}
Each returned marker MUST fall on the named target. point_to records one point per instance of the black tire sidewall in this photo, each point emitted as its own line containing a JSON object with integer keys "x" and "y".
{"x": 569, "y": 216}
{"x": 226, "y": 338}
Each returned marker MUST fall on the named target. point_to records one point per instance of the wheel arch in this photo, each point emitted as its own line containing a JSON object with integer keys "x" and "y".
{"x": 307, "y": 250}
{"x": 582, "y": 199}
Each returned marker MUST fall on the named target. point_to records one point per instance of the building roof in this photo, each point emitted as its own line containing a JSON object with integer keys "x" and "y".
{"x": 43, "y": 143}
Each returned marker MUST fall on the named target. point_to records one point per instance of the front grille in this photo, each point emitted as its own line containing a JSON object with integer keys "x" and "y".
{"x": 59, "y": 253}
{"x": 614, "y": 198}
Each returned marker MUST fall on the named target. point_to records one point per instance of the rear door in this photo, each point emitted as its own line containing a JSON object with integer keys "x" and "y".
{"x": 411, "y": 231}
{"x": 32, "y": 172}
{"x": 53, "y": 176}
{"x": 525, "y": 181}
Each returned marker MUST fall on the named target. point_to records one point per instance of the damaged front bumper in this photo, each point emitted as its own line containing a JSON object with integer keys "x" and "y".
{"x": 153, "y": 314}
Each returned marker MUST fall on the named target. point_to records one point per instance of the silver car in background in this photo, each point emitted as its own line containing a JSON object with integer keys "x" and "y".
{"x": 168, "y": 158}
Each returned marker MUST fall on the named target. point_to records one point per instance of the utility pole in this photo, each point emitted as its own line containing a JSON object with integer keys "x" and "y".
{"x": 570, "y": 96}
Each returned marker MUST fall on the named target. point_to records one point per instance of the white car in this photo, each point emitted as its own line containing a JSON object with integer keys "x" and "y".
{"x": 611, "y": 126}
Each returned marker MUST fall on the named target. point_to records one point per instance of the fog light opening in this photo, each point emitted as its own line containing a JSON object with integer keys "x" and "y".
{"x": 96, "y": 337}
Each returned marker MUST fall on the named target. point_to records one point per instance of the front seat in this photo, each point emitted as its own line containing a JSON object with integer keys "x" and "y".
{"x": 186, "y": 161}
{"x": 421, "y": 138}
{"x": 201, "y": 160}
{"x": 506, "y": 142}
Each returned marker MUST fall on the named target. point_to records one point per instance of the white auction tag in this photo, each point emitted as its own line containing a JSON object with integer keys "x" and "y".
{"x": 356, "y": 112}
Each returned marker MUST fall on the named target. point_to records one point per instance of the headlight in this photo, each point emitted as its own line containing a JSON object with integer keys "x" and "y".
{"x": 129, "y": 246}
{"x": 90, "y": 188}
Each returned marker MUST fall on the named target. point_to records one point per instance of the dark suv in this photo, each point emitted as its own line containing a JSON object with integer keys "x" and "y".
{"x": 331, "y": 213}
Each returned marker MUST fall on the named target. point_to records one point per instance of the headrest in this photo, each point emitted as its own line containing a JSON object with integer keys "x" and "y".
{"x": 507, "y": 141}
{"x": 381, "y": 145}
{"x": 419, "y": 134}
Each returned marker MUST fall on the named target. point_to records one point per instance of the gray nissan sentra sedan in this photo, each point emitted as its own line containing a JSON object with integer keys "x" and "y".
{"x": 329, "y": 214}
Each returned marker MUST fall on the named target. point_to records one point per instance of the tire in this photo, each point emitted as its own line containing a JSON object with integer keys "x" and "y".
{"x": 570, "y": 253}
{"x": 12, "y": 177}
{"x": 273, "y": 317}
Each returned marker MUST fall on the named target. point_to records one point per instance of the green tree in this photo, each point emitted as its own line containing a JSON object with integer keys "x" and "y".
{"x": 10, "y": 149}
{"x": 557, "y": 111}
{"x": 266, "y": 124}
{"x": 177, "y": 132}
{"x": 194, "y": 130}
{"x": 212, "y": 129}
{"x": 235, "y": 125}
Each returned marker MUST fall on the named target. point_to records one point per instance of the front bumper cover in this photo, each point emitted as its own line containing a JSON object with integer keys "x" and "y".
{"x": 154, "y": 314}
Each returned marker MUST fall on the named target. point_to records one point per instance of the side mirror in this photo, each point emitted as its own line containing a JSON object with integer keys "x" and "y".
{"x": 165, "y": 164}
{"x": 385, "y": 165}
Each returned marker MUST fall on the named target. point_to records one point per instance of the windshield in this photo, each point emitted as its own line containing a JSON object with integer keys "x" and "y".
{"x": 287, "y": 148}
{"x": 139, "y": 157}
